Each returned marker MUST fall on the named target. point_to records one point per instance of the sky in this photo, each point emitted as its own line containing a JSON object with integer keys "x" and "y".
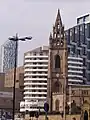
{"x": 35, "y": 18}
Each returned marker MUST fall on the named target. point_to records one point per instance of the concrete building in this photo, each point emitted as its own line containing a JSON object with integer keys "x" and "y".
{"x": 9, "y": 77}
{"x": 7, "y": 57}
{"x": 6, "y": 97}
{"x": 35, "y": 79}
{"x": 2, "y": 79}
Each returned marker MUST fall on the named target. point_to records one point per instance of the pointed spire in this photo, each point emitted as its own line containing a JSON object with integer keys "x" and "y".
{"x": 58, "y": 19}
{"x": 50, "y": 36}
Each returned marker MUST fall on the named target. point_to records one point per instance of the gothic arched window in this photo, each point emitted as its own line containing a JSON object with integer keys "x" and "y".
{"x": 57, "y": 86}
{"x": 57, "y": 61}
{"x": 57, "y": 105}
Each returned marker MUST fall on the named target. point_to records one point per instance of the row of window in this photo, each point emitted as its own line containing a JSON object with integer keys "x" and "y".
{"x": 72, "y": 73}
{"x": 35, "y": 77}
{"x": 75, "y": 69}
{"x": 36, "y": 91}
{"x": 77, "y": 34}
{"x": 76, "y": 65}
{"x": 35, "y": 95}
{"x": 32, "y": 86}
{"x": 74, "y": 50}
{"x": 36, "y": 67}
{"x": 39, "y": 72}
{"x": 36, "y": 63}
{"x": 35, "y": 81}
{"x": 36, "y": 58}
{"x": 83, "y": 92}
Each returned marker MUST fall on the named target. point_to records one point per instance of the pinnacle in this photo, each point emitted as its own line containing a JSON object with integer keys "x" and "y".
{"x": 58, "y": 18}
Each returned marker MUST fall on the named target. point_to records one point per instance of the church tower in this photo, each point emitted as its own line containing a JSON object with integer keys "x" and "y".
{"x": 57, "y": 67}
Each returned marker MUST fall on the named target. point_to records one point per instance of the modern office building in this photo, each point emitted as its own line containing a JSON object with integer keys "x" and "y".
{"x": 75, "y": 70}
{"x": 78, "y": 41}
{"x": 7, "y": 55}
{"x": 35, "y": 79}
{"x": 83, "y": 19}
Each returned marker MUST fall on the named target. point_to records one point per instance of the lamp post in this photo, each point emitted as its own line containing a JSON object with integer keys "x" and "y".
{"x": 16, "y": 39}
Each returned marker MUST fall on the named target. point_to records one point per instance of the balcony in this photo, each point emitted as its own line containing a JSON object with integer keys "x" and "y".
{"x": 27, "y": 83}
{"x": 36, "y": 79}
{"x": 34, "y": 98}
{"x": 75, "y": 80}
{"x": 78, "y": 76}
{"x": 75, "y": 62}
{"x": 35, "y": 93}
{"x": 35, "y": 74}
{"x": 35, "y": 88}
{"x": 36, "y": 61}
{"x": 74, "y": 58}
{"x": 36, "y": 65}
{"x": 73, "y": 71}
{"x": 36, "y": 70}
{"x": 37, "y": 56}
{"x": 75, "y": 67}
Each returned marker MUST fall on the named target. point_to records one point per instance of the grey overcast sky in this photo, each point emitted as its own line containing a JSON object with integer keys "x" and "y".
{"x": 35, "y": 18}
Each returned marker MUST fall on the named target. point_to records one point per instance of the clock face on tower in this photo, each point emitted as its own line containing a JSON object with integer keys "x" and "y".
{"x": 57, "y": 75}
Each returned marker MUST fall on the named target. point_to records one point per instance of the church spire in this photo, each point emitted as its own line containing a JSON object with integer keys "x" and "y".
{"x": 57, "y": 37}
{"x": 58, "y": 19}
{"x": 50, "y": 38}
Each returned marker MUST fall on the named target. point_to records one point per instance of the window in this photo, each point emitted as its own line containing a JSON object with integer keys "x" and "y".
{"x": 34, "y": 53}
{"x": 73, "y": 47}
{"x": 84, "y": 61}
{"x": 41, "y": 53}
{"x": 83, "y": 51}
{"x": 88, "y": 76}
{"x": 57, "y": 105}
{"x": 75, "y": 30}
{"x": 88, "y": 65}
{"x": 70, "y": 32}
{"x": 85, "y": 92}
{"x": 80, "y": 28}
{"x": 57, "y": 86}
{"x": 57, "y": 61}
{"x": 73, "y": 92}
{"x": 88, "y": 55}
{"x": 86, "y": 18}
{"x": 88, "y": 44}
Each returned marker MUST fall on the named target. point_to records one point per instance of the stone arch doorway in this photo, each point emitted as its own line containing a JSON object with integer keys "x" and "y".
{"x": 85, "y": 115}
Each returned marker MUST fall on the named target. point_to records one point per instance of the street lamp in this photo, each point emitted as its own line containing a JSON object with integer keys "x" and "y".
{"x": 16, "y": 39}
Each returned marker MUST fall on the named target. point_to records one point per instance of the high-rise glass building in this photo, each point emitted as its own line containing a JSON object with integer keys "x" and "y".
{"x": 7, "y": 55}
{"x": 78, "y": 40}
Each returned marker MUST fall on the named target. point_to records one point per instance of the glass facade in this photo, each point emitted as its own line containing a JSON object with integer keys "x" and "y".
{"x": 78, "y": 40}
{"x": 8, "y": 55}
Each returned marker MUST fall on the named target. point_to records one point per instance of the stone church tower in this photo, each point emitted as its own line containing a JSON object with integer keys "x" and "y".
{"x": 57, "y": 67}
